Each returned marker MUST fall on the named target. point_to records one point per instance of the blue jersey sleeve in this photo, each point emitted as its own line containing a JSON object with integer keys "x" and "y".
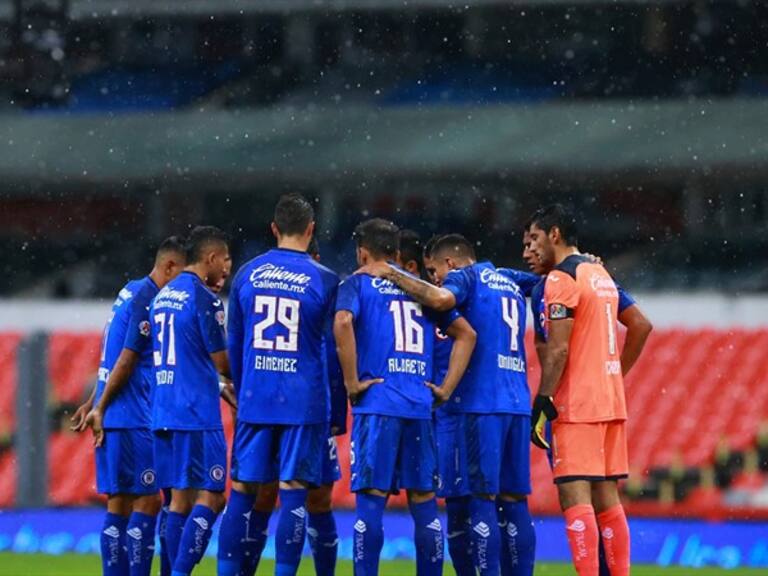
{"x": 526, "y": 280}
{"x": 442, "y": 320}
{"x": 459, "y": 283}
{"x": 235, "y": 334}
{"x": 138, "y": 334}
{"x": 210, "y": 315}
{"x": 348, "y": 297}
{"x": 625, "y": 299}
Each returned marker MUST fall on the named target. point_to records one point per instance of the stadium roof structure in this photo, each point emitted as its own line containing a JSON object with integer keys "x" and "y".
{"x": 314, "y": 144}
{"x": 85, "y": 9}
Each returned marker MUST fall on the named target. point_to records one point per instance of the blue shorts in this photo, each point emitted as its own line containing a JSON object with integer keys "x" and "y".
{"x": 389, "y": 453}
{"x": 267, "y": 452}
{"x": 330, "y": 470}
{"x": 451, "y": 456}
{"x": 191, "y": 459}
{"x": 125, "y": 464}
{"x": 498, "y": 453}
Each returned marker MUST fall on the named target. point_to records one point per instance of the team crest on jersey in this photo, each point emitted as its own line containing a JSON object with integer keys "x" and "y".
{"x": 217, "y": 473}
{"x": 144, "y": 328}
{"x": 220, "y": 317}
{"x": 148, "y": 477}
{"x": 558, "y": 311}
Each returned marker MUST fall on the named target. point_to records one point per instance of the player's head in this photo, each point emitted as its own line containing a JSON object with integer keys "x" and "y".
{"x": 294, "y": 219}
{"x": 410, "y": 252}
{"x": 552, "y": 227}
{"x": 208, "y": 252}
{"x": 170, "y": 260}
{"x": 429, "y": 266}
{"x": 450, "y": 252}
{"x": 314, "y": 249}
{"x": 533, "y": 261}
{"x": 377, "y": 239}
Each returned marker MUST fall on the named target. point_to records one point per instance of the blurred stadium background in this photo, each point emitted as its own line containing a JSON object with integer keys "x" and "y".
{"x": 124, "y": 121}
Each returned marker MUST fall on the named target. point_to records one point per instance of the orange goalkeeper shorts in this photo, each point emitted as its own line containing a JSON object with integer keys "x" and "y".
{"x": 589, "y": 451}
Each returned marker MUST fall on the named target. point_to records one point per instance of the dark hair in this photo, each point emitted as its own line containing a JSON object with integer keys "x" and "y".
{"x": 293, "y": 214}
{"x": 172, "y": 244}
{"x": 379, "y": 236}
{"x": 314, "y": 248}
{"x": 201, "y": 238}
{"x": 410, "y": 248}
{"x": 429, "y": 247}
{"x": 454, "y": 245}
{"x": 557, "y": 215}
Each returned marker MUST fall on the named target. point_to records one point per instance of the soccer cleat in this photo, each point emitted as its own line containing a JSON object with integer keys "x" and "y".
{"x": 543, "y": 411}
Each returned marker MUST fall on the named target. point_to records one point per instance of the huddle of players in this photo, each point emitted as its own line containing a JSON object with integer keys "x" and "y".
{"x": 404, "y": 347}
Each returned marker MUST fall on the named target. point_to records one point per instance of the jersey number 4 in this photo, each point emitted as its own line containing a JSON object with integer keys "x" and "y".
{"x": 283, "y": 311}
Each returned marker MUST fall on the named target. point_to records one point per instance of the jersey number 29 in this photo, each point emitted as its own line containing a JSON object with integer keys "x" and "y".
{"x": 283, "y": 311}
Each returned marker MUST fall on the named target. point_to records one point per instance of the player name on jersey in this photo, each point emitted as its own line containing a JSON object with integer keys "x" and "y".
{"x": 511, "y": 363}
{"x": 275, "y": 364}
{"x": 407, "y": 366}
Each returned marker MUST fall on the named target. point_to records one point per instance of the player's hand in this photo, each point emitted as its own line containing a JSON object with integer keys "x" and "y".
{"x": 95, "y": 420}
{"x": 227, "y": 394}
{"x": 439, "y": 394}
{"x": 377, "y": 269}
{"x": 543, "y": 410}
{"x": 355, "y": 388}
{"x": 78, "y": 418}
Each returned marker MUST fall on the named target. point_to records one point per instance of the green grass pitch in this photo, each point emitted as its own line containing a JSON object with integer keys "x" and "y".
{"x": 81, "y": 565}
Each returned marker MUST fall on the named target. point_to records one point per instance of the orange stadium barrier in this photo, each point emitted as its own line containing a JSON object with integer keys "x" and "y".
{"x": 706, "y": 372}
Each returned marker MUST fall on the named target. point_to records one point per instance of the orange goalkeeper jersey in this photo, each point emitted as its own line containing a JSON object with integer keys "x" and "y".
{"x": 591, "y": 387}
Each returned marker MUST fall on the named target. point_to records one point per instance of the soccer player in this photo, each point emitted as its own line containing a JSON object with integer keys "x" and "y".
{"x": 279, "y": 307}
{"x": 189, "y": 355}
{"x": 637, "y": 325}
{"x": 125, "y": 470}
{"x": 321, "y": 523}
{"x": 384, "y": 341}
{"x": 411, "y": 252}
{"x": 492, "y": 401}
{"x": 582, "y": 393}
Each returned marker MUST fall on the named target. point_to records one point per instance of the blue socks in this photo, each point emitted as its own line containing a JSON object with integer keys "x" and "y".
{"x": 256, "y": 541}
{"x": 194, "y": 539}
{"x": 162, "y": 528}
{"x": 174, "y": 528}
{"x": 459, "y": 538}
{"x": 324, "y": 542}
{"x": 141, "y": 543}
{"x": 114, "y": 560}
{"x": 518, "y": 539}
{"x": 291, "y": 531}
{"x": 233, "y": 534}
{"x": 428, "y": 537}
{"x": 486, "y": 540}
{"x": 368, "y": 535}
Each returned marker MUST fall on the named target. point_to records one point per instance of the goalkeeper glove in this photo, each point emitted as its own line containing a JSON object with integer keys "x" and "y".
{"x": 543, "y": 411}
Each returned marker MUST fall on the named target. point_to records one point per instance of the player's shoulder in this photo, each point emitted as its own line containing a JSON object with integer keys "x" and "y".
{"x": 571, "y": 265}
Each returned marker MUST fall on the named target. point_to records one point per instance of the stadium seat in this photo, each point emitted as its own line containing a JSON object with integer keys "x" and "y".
{"x": 73, "y": 363}
{"x": 9, "y": 344}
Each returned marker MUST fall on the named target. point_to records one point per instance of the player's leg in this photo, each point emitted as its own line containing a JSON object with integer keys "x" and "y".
{"x": 206, "y": 471}
{"x": 162, "y": 530}
{"x": 454, "y": 488}
{"x": 611, "y": 518}
{"x": 170, "y": 463}
{"x": 257, "y": 531}
{"x": 483, "y": 437}
{"x": 143, "y": 520}
{"x": 373, "y": 454}
{"x": 321, "y": 525}
{"x": 110, "y": 481}
{"x": 301, "y": 456}
{"x": 577, "y": 461}
{"x": 517, "y": 535}
{"x": 417, "y": 470}
{"x": 253, "y": 463}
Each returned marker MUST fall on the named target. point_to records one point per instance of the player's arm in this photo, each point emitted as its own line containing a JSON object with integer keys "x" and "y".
{"x": 118, "y": 378}
{"x": 555, "y": 356}
{"x": 346, "y": 348}
{"x": 78, "y": 418}
{"x": 541, "y": 347}
{"x": 464, "y": 339}
{"x": 235, "y": 336}
{"x": 423, "y": 292}
{"x": 638, "y": 329}
{"x": 221, "y": 362}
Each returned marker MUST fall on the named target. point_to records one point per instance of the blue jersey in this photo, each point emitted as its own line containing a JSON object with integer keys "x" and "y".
{"x": 187, "y": 327}
{"x": 539, "y": 314}
{"x": 395, "y": 340}
{"x": 494, "y": 305}
{"x": 280, "y": 306}
{"x": 128, "y": 327}
{"x": 441, "y": 358}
